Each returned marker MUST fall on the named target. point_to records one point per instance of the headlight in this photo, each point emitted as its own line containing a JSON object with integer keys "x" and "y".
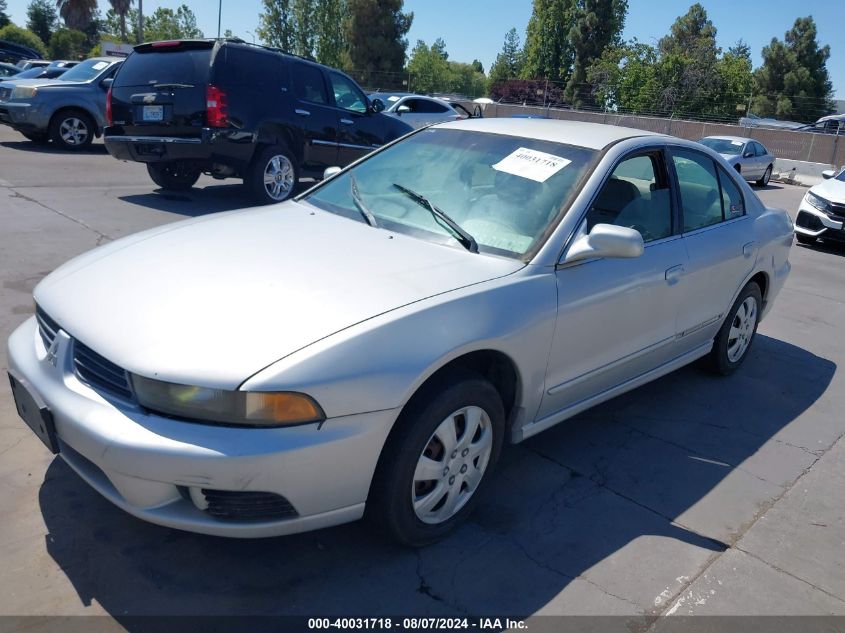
{"x": 24, "y": 92}
{"x": 818, "y": 202}
{"x": 242, "y": 408}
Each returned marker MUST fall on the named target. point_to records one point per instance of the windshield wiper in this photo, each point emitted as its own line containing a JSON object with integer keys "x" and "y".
{"x": 356, "y": 198}
{"x": 467, "y": 240}
{"x": 161, "y": 86}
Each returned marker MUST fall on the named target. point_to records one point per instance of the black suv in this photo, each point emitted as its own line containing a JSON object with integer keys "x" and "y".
{"x": 232, "y": 109}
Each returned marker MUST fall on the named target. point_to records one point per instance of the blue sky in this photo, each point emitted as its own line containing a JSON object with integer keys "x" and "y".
{"x": 475, "y": 29}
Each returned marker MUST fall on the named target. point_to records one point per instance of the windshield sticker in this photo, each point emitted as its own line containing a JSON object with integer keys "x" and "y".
{"x": 531, "y": 164}
{"x": 393, "y": 98}
{"x": 737, "y": 143}
{"x": 99, "y": 65}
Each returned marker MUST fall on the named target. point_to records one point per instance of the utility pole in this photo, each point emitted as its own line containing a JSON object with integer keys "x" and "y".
{"x": 140, "y": 21}
{"x": 219, "y": 14}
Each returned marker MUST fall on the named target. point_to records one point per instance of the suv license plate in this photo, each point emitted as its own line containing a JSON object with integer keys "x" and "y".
{"x": 34, "y": 412}
{"x": 153, "y": 113}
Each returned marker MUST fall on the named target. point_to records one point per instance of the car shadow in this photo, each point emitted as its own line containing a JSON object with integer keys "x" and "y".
{"x": 675, "y": 461}
{"x": 831, "y": 247}
{"x": 50, "y": 148}
{"x": 199, "y": 201}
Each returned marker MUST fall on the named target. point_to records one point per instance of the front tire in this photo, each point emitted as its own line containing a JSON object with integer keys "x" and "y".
{"x": 767, "y": 175}
{"x": 72, "y": 130}
{"x": 731, "y": 345}
{"x": 437, "y": 459}
{"x": 273, "y": 175}
{"x": 173, "y": 176}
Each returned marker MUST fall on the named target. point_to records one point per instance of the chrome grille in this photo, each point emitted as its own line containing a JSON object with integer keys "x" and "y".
{"x": 47, "y": 327}
{"x": 99, "y": 372}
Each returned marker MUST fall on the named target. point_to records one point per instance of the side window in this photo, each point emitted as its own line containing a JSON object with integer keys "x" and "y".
{"x": 308, "y": 83}
{"x": 701, "y": 199}
{"x": 347, "y": 95}
{"x": 759, "y": 150}
{"x": 637, "y": 196}
{"x": 732, "y": 201}
{"x": 430, "y": 107}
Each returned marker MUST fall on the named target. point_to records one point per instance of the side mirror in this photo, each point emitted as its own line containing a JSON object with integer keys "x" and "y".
{"x": 106, "y": 83}
{"x": 606, "y": 240}
{"x": 377, "y": 105}
{"x": 331, "y": 171}
{"x": 827, "y": 174}
{"x": 748, "y": 155}
{"x": 403, "y": 109}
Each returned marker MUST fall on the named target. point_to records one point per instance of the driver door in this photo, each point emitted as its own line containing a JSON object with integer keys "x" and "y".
{"x": 617, "y": 318}
{"x": 359, "y": 129}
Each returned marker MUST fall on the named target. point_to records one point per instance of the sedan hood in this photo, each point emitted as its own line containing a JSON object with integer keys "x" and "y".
{"x": 832, "y": 190}
{"x": 211, "y": 301}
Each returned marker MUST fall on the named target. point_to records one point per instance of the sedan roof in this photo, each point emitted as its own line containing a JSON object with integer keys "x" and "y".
{"x": 579, "y": 133}
{"x": 742, "y": 139}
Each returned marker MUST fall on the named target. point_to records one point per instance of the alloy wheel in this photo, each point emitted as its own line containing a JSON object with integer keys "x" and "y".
{"x": 742, "y": 329}
{"x": 278, "y": 177}
{"x": 73, "y": 131}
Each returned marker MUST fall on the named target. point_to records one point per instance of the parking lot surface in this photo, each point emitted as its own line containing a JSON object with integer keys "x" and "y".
{"x": 691, "y": 495}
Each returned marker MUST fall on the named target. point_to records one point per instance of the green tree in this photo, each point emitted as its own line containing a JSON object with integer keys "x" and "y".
{"x": 77, "y": 14}
{"x": 548, "y": 53}
{"x": 625, "y": 78}
{"x": 111, "y": 27}
{"x": 304, "y": 34}
{"x": 736, "y": 80}
{"x": 429, "y": 67}
{"x": 375, "y": 33}
{"x": 597, "y": 25}
{"x": 331, "y": 43}
{"x": 17, "y": 35}
{"x": 276, "y": 24}
{"x": 42, "y": 18}
{"x": 167, "y": 24}
{"x": 68, "y": 44}
{"x": 121, "y": 9}
{"x": 4, "y": 16}
{"x": 508, "y": 63}
{"x": 793, "y": 81}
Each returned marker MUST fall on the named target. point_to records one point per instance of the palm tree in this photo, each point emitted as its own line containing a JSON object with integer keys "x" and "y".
{"x": 77, "y": 14}
{"x": 121, "y": 8}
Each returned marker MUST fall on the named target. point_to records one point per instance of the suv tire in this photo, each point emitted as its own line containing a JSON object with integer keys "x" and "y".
{"x": 72, "y": 129}
{"x": 173, "y": 176}
{"x": 273, "y": 175}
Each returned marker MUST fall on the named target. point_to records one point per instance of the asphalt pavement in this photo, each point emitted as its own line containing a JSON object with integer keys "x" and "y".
{"x": 693, "y": 495}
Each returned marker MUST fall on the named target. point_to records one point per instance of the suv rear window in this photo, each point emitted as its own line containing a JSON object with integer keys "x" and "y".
{"x": 175, "y": 66}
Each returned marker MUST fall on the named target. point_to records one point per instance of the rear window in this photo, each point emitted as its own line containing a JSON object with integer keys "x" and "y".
{"x": 179, "y": 66}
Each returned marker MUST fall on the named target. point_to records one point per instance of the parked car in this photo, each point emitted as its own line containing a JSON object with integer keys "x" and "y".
{"x": 419, "y": 111}
{"x": 372, "y": 344}
{"x": 26, "y": 64}
{"x": 831, "y": 124}
{"x": 69, "y": 110}
{"x": 752, "y": 120}
{"x": 822, "y": 211}
{"x": 8, "y": 70}
{"x": 235, "y": 110}
{"x": 41, "y": 72}
{"x": 749, "y": 157}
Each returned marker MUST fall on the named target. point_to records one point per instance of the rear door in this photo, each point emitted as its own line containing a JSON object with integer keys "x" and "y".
{"x": 160, "y": 89}
{"x": 315, "y": 115}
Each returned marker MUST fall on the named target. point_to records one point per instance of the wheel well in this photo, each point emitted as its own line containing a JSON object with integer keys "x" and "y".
{"x": 74, "y": 109}
{"x": 494, "y": 366}
{"x": 762, "y": 280}
{"x": 278, "y": 135}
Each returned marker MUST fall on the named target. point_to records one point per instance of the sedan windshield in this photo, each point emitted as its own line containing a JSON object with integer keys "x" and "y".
{"x": 723, "y": 145}
{"x": 86, "y": 71}
{"x": 502, "y": 192}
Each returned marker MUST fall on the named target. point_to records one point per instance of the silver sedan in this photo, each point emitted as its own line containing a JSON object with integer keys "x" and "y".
{"x": 419, "y": 111}
{"x": 749, "y": 157}
{"x": 371, "y": 346}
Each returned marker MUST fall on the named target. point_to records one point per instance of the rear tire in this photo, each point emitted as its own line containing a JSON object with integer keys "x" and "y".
{"x": 766, "y": 177}
{"x": 173, "y": 176}
{"x": 805, "y": 239}
{"x": 423, "y": 488}
{"x": 72, "y": 130}
{"x": 731, "y": 345}
{"x": 273, "y": 175}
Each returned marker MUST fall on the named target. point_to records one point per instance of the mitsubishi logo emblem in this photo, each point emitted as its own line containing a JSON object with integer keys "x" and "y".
{"x": 52, "y": 352}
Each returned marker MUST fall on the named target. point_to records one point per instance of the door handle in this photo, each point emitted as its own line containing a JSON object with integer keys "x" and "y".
{"x": 301, "y": 112}
{"x": 674, "y": 273}
{"x": 748, "y": 249}
{"x": 347, "y": 121}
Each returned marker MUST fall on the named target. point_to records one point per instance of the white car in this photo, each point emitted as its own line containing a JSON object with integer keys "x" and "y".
{"x": 822, "y": 211}
{"x": 419, "y": 111}
{"x": 371, "y": 345}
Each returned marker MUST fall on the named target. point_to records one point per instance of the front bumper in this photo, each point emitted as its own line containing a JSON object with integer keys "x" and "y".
{"x": 155, "y": 468}
{"x": 24, "y": 117}
{"x": 814, "y": 223}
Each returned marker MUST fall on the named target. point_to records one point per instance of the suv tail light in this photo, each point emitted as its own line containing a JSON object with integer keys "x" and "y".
{"x": 108, "y": 107}
{"x": 215, "y": 107}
